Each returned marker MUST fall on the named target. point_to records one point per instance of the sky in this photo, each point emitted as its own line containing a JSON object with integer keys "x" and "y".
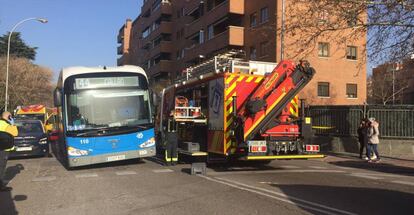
{"x": 78, "y": 32}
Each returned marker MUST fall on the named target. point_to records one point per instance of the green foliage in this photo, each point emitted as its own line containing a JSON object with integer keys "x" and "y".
{"x": 18, "y": 47}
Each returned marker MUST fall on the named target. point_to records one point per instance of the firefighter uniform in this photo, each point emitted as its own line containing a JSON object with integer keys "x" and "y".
{"x": 5, "y": 126}
{"x": 171, "y": 143}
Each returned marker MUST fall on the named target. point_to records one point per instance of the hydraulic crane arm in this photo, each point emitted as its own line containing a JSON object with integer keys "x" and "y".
{"x": 274, "y": 93}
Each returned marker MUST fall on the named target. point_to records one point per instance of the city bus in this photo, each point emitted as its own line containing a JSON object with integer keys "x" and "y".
{"x": 104, "y": 114}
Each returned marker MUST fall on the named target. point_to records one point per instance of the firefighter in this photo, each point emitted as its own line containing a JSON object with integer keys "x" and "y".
{"x": 171, "y": 144}
{"x": 6, "y": 125}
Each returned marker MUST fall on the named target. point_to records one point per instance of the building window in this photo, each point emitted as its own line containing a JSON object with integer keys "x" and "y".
{"x": 351, "y": 91}
{"x": 323, "y": 89}
{"x": 201, "y": 36}
{"x": 264, "y": 15}
{"x": 323, "y": 16}
{"x": 263, "y": 48}
{"x": 351, "y": 52}
{"x": 253, "y": 53}
{"x": 352, "y": 19}
{"x": 210, "y": 32}
{"x": 323, "y": 49}
{"x": 253, "y": 20}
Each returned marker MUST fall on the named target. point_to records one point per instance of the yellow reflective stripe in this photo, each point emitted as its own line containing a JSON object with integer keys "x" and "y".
{"x": 323, "y": 127}
{"x": 11, "y": 149}
{"x": 258, "y": 79}
{"x": 175, "y": 159}
{"x": 166, "y": 156}
{"x": 229, "y": 79}
{"x": 241, "y": 78}
{"x": 231, "y": 88}
{"x": 249, "y": 79}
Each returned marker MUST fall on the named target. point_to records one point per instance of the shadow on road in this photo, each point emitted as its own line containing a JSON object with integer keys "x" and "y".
{"x": 241, "y": 166}
{"x": 358, "y": 200}
{"x": 7, "y": 206}
{"x": 379, "y": 167}
{"x": 12, "y": 171}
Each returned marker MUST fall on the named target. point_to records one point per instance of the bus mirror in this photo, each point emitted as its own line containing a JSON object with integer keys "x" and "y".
{"x": 57, "y": 97}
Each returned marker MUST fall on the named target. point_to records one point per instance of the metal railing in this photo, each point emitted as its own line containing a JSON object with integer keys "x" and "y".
{"x": 395, "y": 121}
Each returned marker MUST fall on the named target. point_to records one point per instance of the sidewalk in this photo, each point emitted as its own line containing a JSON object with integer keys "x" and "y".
{"x": 397, "y": 163}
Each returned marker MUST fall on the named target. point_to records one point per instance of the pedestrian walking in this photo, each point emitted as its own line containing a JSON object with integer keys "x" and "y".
{"x": 373, "y": 139}
{"x": 7, "y": 126}
{"x": 363, "y": 138}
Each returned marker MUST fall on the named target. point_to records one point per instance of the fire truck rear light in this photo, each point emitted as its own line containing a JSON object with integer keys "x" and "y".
{"x": 312, "y": 148}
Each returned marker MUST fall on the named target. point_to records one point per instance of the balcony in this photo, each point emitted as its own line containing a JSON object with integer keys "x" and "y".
{"x": 165, "y": 27}
{"x": 162, "y": 66}
{"x": 233, "y": 36}
{"x": 120, "y": 49}
{"x": 220, "y": 11}
{"x": 164, "y": 46}
{"x": 120, "y": 37}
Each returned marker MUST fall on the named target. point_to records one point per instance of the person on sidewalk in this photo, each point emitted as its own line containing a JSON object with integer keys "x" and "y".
{"x": 373, "y": 139}
{"x": 363, "y": 138}
{"x": 6, "y": 125}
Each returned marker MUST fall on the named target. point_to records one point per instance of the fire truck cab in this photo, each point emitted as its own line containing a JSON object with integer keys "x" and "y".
{"x": 229, "y": 108}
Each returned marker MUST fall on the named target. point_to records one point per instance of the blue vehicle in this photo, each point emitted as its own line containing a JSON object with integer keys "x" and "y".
{"x": 104, "y": 115}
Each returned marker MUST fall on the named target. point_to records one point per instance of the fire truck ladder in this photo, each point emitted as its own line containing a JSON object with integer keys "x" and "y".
{"x": 300, "y": 76}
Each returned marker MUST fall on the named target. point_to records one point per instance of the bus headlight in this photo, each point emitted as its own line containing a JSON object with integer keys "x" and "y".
{"x": 43, "y": 141}
{"x": 148, "y": 143}
{"x": 76, "y": 152}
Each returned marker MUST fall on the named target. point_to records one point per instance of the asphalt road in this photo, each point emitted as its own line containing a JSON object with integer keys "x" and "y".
{"x": 329, "y": 186}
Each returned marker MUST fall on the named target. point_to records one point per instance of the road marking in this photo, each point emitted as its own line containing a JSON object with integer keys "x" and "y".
{"x": 289, "y": 167}
{"x": 162, "y": 170}
{"x": 276, "y": 171}
{"x": 362, "y": 175}
{"x": 86, "y": 175}
{"x": 282, "y": 197}
{"x": 317, "y": 167}
{"x": 345, "y": 168}
{"x": 45, "y": 178}
{"x": 404, "y": 182}
{"x": 126, "y": 173}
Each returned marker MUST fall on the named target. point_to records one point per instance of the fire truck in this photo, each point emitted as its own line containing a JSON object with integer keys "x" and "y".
{"x": 229, "y": 108}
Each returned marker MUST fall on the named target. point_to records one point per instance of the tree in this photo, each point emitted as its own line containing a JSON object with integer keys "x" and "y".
{"x": 28, "y": 83}
{"x": 387, "y": 84}
{"x": 18, "y": 47}
{"x": 389, "y": 25}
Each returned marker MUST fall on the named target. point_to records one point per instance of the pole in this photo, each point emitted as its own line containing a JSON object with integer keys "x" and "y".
{"x": 282, "y": 33}
{"x": 6, "y": 98}
{"x": 393, "y": 86}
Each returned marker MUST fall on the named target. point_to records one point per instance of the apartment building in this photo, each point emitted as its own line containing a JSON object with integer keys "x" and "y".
{"x": 169, "y": 36}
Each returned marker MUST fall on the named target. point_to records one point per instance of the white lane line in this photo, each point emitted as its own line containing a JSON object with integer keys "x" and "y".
{"x": 404, "y": 182}
{"x": 126, "y": 172}
{"x": 275, "y": 171}
{"x": 45, "y": 178}
{"x": 289, "y": 167}
{"x": 317, "y": 167}
{"x": 362, "y": 175}
{"x": 283, "y": 197}
{"x": 162, "y": 170}
{"x": 86, "y": 175}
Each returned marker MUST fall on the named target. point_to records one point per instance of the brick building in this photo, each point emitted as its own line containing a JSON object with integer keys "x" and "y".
{"x": 169, "y": 36}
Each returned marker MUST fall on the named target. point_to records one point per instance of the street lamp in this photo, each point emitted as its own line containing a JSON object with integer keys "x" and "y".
{"x": 41, "y": 20}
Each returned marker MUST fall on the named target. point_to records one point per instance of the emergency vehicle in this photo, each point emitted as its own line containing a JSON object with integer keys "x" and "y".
{"x": 37, "y": 112}
{"x": 229, "y": 108}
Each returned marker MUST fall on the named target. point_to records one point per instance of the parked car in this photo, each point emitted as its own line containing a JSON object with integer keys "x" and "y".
{"x": 31, "y": 140}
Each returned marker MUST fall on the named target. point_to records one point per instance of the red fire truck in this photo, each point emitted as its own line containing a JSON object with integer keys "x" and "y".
{"x": 229, "y": 108}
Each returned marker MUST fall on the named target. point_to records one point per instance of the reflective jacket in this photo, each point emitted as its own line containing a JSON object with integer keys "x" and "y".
{"x": 7, "y": 127}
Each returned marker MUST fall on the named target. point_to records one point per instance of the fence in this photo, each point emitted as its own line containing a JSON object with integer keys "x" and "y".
{"x": 395, "y": 121}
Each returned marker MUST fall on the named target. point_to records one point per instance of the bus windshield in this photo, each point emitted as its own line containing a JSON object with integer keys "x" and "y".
{"x": 106, "y": 108}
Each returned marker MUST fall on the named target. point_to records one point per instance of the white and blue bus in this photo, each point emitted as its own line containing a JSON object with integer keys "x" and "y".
{"x": 104, "y": 115}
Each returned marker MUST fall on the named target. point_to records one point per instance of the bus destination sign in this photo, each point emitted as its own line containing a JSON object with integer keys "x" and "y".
{"x": 94, "y": 83}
